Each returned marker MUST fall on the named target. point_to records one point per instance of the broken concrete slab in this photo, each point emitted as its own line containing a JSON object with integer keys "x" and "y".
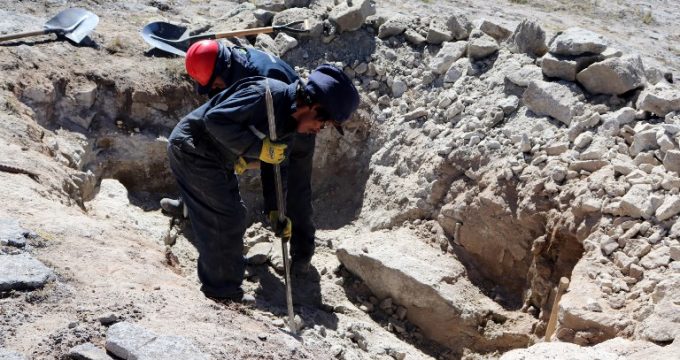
{"x": 494, "y": 30}
{"x": 432, "y": 288}
{"x": 88, "y": 351}
{"x": 131, "y": 341}
{"x": 11, "y": 233}
{"x": 23, "y": 272}
{"x": 447, "y": 55}
{"x": 636, "y": 203}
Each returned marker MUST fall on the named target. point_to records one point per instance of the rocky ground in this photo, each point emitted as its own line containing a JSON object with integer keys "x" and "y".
{"x": 499, "y": 147}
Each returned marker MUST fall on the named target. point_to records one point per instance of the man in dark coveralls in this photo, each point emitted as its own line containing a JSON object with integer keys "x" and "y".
{"x": 212, "y": 142}
{"x": 215, "y": 66}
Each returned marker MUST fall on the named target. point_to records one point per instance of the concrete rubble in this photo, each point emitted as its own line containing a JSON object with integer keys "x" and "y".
{"x": 130, "y": 341}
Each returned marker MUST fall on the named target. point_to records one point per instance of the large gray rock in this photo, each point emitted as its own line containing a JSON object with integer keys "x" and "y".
{"x": 565, "y": 67}
{"x": 663, "y": 324}
{"x": 297, "y": 14}
{"x": 259, "y": 253}
{"x": 351, "y": 17}
{"x": 432, "y": 287}
{"x": 669, "y": 208}
{"x": 22, "y": 272}
{"x": 447, "y": 55}
{"x": 643, "y": 141}
{"x": 88, "y": 351}
{"x": 577, "y": 41}
{"x": 10, "y": 355}
{"x": 671, "y": 161}
{"x": 637, "y": 203}
{"x": 393, "y": 26}
{"x": 438, "y": 32}
{"x": 524, "y": 75}
{"x": 528, "y": 38}
{"x": 130, "y": 341}
{"x": 660, "y": 99}
{"x": 11, "y": 233}
{"x": 481, "y": 45}
{"x": 494, "y": 30}
{"x": 553, "y": 99}
{"x": 613, "y": 76}
{"x": 459, "y": 25}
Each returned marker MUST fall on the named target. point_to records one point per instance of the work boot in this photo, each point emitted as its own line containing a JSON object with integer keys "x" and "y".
{"x": 174, "y": 207}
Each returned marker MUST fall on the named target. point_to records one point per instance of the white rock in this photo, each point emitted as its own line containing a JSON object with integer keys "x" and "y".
{"x": 577, "y": 41}
{"x": 671, "y": 161}
{"x": 553, "y": 99}
{"x": 637, "y": 203}
{"x": 659, "y": 99}
{"x": 528, "y": 38}
{"x": 447, "y": 55}
{"x": 669, "y": 208}
{"x": 613, "y": 76}
{"x": 481, "y": 45}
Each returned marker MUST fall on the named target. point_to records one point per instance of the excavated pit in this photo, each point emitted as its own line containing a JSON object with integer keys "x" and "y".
{"x": 514, "y": 257}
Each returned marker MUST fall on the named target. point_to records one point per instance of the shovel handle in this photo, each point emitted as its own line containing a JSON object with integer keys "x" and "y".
{"x": 25, "y": 34}
{"x": 246, "y": 32}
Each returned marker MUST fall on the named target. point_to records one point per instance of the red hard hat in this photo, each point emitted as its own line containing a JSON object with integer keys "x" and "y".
{"x": 200, "y": 61}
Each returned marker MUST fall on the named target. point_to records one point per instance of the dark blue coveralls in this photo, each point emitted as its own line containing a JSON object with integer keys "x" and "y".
{"x": 202, "y": 150}
{"x": 247, "y": 62}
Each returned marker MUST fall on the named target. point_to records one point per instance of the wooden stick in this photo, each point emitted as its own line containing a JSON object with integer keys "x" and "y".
{"x": 23, "y": 35}
{"x": 552, "y": 322}
{"x": 246, "y": 32}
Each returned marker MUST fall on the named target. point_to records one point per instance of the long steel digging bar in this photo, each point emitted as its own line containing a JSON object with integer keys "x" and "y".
{"x": 281, "y": 208}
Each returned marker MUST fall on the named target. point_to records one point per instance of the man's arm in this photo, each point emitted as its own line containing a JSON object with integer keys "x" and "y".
{"x": 228, "y": 121}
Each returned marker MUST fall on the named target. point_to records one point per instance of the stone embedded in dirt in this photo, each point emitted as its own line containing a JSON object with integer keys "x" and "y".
{"x": 349, "y": 16}
{"x": 11, "y": 233}
{"x": 259, "y": 253}
{"x": 431, "y": 287}
{"x": 22, "y": 272}
{"x": 528, "y": 38}
{"x": 565, "y": 67}
{"x": 658, "y": 257}
{"x": 577, "y": 41}
{"x": 108, "y": 319}
{"x": 131, "y": 341}
{"x": 612, "y": 122}
{"x": 660, "y": 99}
{"x": 554, "y": 99}
{"x": 393, "y": 26}
{"x": 480, "y": 45}
{"x": 399, "y": 87}
{"x": 10, "y": 355}
{"x": 300, "y": 14}
{"x": 509, "y": 104}
{"x": 88, "y": 351}
{"x": 613, "y": 76}
{"x": 447, "y": 55}
{"x": 457, "y": 70}
{"x": 494, "y": 30}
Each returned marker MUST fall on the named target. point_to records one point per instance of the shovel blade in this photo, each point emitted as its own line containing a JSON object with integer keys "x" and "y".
{"x": 167, "y": 37}
{"x": 75, "y": 23}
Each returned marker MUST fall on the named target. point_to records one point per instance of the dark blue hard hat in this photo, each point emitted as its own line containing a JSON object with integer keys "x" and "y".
{"x": 333, "y": 90}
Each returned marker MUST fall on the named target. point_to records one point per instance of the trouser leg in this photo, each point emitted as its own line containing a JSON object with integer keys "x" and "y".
{"x": 299, "y": 197}
{"x": 210, "y": 191}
